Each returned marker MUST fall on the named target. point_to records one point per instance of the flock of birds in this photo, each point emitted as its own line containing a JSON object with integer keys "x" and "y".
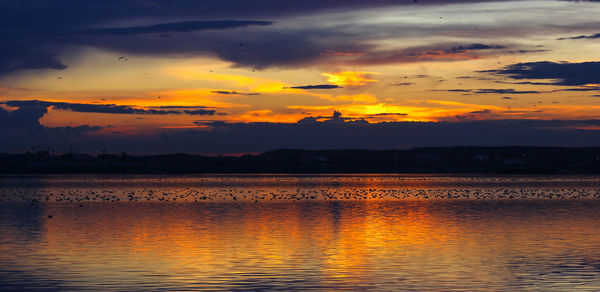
{"x": 80, "y": 196}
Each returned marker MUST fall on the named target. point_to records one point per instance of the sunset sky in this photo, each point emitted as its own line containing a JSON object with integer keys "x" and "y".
{"x": 233, "y": 76}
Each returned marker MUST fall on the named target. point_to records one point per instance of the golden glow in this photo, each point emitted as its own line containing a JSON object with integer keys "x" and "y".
{"x": 253, "y": 84}
{"x": 202, "y": 74}
{"x": 407, "y": 92}
{"x": 350, "y": 78}
{"x": 402, "y": 113}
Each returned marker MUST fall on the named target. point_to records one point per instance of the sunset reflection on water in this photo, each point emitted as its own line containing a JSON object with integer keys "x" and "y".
{"x": 411, "y": 244}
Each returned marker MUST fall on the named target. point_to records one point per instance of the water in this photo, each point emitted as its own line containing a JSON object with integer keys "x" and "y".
{"x": 282, "y": 232}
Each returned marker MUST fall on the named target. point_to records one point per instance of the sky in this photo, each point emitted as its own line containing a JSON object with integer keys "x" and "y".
{"x": 233, "y": 76}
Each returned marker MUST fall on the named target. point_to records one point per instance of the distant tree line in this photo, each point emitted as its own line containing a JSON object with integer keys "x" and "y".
{"x": 420, "y": 160}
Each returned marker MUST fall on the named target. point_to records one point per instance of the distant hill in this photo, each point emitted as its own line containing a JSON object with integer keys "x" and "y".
{"x": 543, "y": 160}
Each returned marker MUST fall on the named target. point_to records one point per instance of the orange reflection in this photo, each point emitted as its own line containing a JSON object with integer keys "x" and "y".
{"x": 355, "y": 242}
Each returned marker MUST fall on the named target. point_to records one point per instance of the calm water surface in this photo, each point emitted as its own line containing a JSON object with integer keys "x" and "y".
{"x": 282, "y": 232}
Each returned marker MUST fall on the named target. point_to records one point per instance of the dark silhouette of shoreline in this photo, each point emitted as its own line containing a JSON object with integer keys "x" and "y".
{"x": 517, "y": 159}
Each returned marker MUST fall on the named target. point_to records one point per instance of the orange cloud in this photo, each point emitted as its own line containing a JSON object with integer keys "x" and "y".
{"x": 349, "y": 78}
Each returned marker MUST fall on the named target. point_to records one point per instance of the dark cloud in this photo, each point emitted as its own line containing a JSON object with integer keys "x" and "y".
{"x": 14, "y": 57}
{"x": 478, "y": 115}
{"x": 283, "y": 48}
{"x": 588, "y": 88}
{"x": 492, "y": 91}
{"x": 523, "y": 82}
{"x": 250, "y": 47}
{"x": 318, "y": 133}
{"x": 183, "y": 26}
{"x": 202, "y": 112}
{"x": 387, "y": 114}
{"x": 294, "y": 7}
{"x": 579, "y": 37}
{"x": 257, "y": 137}
{"x": 453, "y": 90}
{"x": 34, "y": 34}
{"x": 484, "y": 111}
{"x": 25, "y": 116}
{"x": 100, "y": 108}
{"x": 437, "y": 52}
{"x": 473, "y": 47}
{"x": 527, "y": 51}
{"x": 21, "y": 130}
{"x": 561, "y": 73}
{"x": 64, "y": 13}
{"x": 506, "y": 91}
{"x": 76, "y": 131}
{"x": 87, "y": 108}
{"x": 320, "y": 86}
{"x": 507, "y": 97}
{"x": 402, "y": 84}
{"x": 234, "y": 92}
